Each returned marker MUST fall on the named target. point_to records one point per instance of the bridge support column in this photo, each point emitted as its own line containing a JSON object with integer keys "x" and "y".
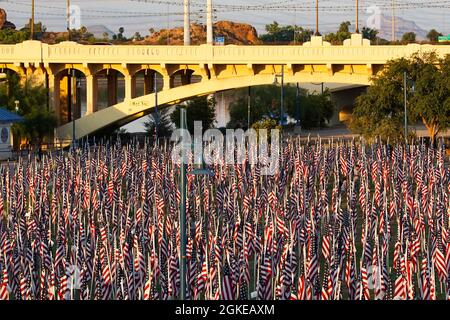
{"x": 130, "y": 87}
{"x": 167, "y": 81}
{"x": 148, "y": 83}
{"x": 91, "y": 94}
{"x": 53, "y": 96}
{"x": 112, "y": 88}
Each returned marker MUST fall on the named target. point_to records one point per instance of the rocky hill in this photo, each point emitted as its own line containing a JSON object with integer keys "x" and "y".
{"x": 234, "y": 33}
{"x": 402, "y": 26}
{"x": 4, "y": 23}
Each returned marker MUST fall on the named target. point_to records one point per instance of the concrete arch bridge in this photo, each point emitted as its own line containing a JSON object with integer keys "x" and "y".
{"x": 181, "y": 72}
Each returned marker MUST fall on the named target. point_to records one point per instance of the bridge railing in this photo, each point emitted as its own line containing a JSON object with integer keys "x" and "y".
{"x": 70, "y": 52}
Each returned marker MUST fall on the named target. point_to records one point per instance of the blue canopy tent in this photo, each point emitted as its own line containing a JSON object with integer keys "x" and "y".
{"x": 7, "y": 119}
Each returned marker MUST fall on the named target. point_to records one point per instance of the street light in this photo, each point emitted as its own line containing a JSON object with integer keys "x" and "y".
{"x": 155, "y": 88}
{"x": 249, "y": 102}
{"x": 183, "y": 196}
{"x": 297, "y": 107}
{"x": 17, "y": 102}
{"x": 275, "y": 82}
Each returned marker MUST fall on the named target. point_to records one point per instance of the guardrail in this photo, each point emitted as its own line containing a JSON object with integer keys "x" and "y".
{"x": 71, "y": 52}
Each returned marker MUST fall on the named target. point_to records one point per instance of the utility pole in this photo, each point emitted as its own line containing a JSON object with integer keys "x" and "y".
{"x": 187, "y": 24}
{"x": 32, "y": 21}
{"x": 209, "y": 23}
{"x": 68, "y": 20}
{"x": 357, "y": 16}
{"x": 393, "y": 20}
{"x": 317, "y": 17}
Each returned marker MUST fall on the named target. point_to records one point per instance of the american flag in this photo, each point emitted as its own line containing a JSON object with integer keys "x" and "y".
{"x": 336, "y": 220}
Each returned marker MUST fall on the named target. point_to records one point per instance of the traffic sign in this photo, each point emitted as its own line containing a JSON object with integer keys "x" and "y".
{"x": 219, "y": 41}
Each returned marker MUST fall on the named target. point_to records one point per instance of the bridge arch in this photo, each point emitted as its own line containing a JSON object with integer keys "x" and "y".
{"x": 129, "y": 111}
{"x": 75, "y": 88}
{"x": 110, "y": 86}
{"x": 145, "y": 81}
{"x": 9, "y": 70}
{"x": 184, "y": 77}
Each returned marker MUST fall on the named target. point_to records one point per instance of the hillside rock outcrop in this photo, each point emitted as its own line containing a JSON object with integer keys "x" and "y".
{"x": 234, "y": 33}
{"x": 4, "y": 23}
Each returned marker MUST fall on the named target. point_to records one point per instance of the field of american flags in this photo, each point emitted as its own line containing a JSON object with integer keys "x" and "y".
{"x": 338, "y": 220}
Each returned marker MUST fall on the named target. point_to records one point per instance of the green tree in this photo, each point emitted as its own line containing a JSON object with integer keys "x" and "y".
{"x": 137, "y": 36}
{"x": 277, "y": 33}
{"x": 380, "y": 111}
{"x": 370, "y": 34}
{"x": 38, "y": 124}
{"x": 38, "y": 27}
{"x": 10, "y": 36}
{"x": 409, "y": 37}
{"x": 433, "y": 35}
{"x": 38, "y": 121}
{"x": 342, "y": 34}
{"x": 163, "y": 121}
{"x": 315, "y": 109}
{"x": 112, "y": 134}
{"x": 198, "y": 109}
{"x": 120, "y": 35}
{"x": 430, "y": 101}
{"x": 265, "y": 103}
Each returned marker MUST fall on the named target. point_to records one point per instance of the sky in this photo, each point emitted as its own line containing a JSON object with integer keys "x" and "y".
{"x": 141, "y": 15}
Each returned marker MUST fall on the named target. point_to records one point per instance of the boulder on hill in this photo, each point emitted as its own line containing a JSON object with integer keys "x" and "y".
{"x": 234, "y": 33}
{"x": 4, "y": 23}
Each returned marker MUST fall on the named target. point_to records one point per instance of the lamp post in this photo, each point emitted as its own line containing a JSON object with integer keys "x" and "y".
{"x": 405, "y": 101}
{"x": 155, "y": 89}
{"x": 297, "y": 107}
{"x": 282, "y": 93}
{"x": 70, "y": 107}
{"x": 405, "y": 97}
{"x": 183, "y": 197}
{"x": 249, "y": 102}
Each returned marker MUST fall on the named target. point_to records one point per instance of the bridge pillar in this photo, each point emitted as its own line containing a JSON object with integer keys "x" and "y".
{"x": 54, "y": 96}
{"x": 167, "y": 82}
{"x": 112, "y": 88}
{"x": 130, "y": 87}
{"x": 91, "y": 94}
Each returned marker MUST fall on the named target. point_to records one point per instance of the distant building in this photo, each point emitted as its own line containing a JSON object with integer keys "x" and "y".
{"x": 7, "y": 119}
